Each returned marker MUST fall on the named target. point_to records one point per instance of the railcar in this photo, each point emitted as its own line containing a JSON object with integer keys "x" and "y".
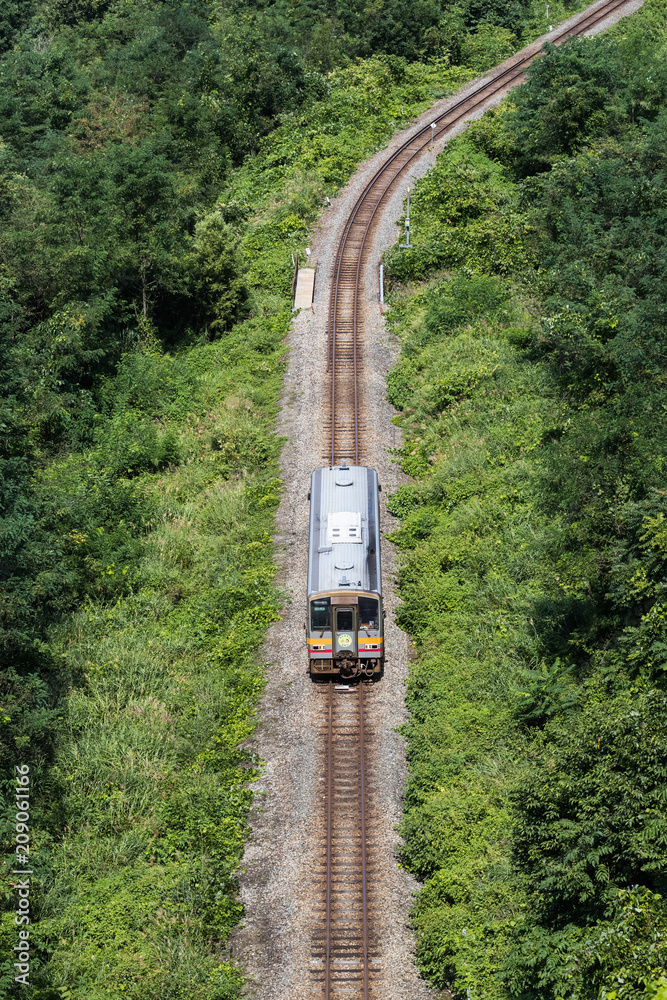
{"x": 344, "y": 623}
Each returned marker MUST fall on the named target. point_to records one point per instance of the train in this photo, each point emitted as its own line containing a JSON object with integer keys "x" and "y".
{"x": 345, "y": 617}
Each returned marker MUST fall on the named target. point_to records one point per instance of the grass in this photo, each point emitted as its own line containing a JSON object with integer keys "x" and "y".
{"x": 522, "y": 693}
{"x": 137, "y": 890}
{"x": 473, "y": 413}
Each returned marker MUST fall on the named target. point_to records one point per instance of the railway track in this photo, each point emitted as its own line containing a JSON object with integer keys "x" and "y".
{"x": 346, "y": 417}
{"x": 345, "y": 949}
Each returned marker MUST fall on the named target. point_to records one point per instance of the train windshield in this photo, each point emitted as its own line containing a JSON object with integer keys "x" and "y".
{"x": 368, "y": 613}
{"x": 320, "y": 613}
{"x": 344, "y": 620}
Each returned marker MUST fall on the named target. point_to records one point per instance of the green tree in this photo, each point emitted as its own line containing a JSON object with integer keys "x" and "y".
{"x": 570, "y": 95}
{"x": 219, "y": 287}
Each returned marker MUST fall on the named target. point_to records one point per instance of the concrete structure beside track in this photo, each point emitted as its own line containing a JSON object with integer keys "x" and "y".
{"x": 305, "y": 288}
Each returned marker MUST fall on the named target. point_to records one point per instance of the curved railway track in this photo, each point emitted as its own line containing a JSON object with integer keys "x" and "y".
{"x": 345, "y": 952}
{"x": 345, "y": 347}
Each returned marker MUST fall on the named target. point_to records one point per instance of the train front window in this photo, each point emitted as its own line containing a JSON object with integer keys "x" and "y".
{"x": 344, "y": 620}
{"x": 368, "y": 613}
{"x": 320, "y": 614}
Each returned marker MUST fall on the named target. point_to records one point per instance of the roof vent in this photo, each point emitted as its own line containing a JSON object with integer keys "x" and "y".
{"x": 344, "y": 526}
{"x": 344, "y": 565}
{"x": 344, "y": 482}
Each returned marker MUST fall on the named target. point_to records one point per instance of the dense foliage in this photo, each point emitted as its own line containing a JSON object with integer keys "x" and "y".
{"x": 160, "y": 161}
{"x": 531, "y": 387}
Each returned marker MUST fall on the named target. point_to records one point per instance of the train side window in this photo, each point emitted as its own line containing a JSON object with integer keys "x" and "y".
{"x": 320, "y": 613}
{"x": 368, "y": 612}
{"x": 344, "y": 620}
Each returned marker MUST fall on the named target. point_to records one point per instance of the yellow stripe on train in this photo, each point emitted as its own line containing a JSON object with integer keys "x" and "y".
{"x": 363, "y": 644}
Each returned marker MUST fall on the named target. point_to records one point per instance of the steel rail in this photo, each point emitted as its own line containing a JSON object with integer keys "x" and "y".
{"x": 481, "y": 94}
{"x": 516, "y": 68}
{"x": 327, "y": 979}
{"x": 333, "y": 374}
{"x": 362, "y": 781}
{"x": 347, "y": 940}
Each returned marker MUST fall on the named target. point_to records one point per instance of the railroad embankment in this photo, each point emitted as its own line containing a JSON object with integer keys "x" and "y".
{"x": 532, "y": 318}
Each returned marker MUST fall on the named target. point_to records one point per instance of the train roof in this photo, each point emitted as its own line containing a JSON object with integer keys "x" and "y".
{"x": 344, "y": 551}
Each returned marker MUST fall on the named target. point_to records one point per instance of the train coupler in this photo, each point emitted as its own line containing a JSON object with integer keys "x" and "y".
{"x": 349, "y": 669}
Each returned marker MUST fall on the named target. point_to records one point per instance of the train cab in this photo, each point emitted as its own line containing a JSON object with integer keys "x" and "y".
{"x": 344, "y": 623}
